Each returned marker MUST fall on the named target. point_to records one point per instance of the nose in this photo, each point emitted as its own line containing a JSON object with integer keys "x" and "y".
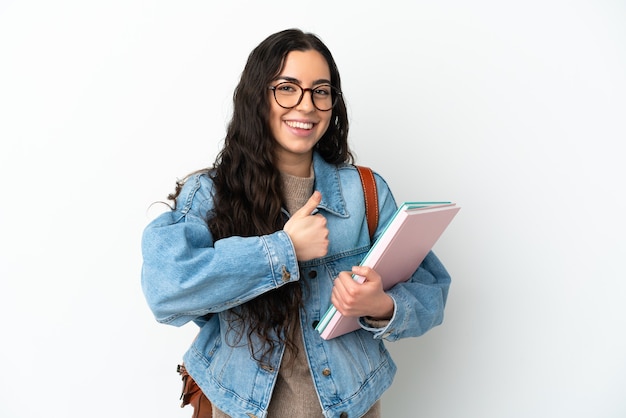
{"x": 306, "y": 104}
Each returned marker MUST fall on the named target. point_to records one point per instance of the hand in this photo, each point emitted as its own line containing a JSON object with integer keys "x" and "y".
{"x": 308, "y": 233}
{"x": 352, "y": 298}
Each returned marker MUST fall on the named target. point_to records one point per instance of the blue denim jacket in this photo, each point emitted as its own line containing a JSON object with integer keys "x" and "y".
{"x": 186, "y": 275}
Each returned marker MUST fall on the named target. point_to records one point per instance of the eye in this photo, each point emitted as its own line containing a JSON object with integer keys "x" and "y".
{"x": 322, "y": 91}
{"x": 287, "y": 88}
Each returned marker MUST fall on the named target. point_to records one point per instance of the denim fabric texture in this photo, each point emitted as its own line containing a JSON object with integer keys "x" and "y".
{"x": 186, "y": 276}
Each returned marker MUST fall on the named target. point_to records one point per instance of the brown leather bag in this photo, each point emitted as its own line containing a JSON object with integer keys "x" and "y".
{"x": 192, "y": 394}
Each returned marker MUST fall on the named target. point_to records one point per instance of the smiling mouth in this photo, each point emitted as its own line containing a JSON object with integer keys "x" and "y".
{"x": 299, "y": 125}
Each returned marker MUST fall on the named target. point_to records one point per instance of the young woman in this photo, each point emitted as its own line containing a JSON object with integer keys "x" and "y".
{"x": 256, "y": 247}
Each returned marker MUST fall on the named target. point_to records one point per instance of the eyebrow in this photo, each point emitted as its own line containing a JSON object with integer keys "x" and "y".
{"x": 295, "y": 80}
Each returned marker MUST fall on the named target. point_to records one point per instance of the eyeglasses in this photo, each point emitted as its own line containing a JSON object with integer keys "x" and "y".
{"x": 289, "y": 95}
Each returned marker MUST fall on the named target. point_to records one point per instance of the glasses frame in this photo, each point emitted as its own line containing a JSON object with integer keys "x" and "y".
{"x": 335, "y": 92}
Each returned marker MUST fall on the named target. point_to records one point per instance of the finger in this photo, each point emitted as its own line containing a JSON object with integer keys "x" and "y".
{"x": 338, "y": 292}
{"x": 361, "y": 270}
{"x": 360, "y": 273}
{"x": 346, "y": 284}
{"x": 344, "y": 292}
{"x": 338, "y": 283}
{"x": 310, "y": 205}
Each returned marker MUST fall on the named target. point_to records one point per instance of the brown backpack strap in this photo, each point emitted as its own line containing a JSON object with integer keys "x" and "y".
{"x": 371, "y": 198}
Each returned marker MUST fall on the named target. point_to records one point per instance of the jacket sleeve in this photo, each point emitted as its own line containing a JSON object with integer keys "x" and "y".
{"x": 420, "y": 301}
{"x": 186, "y": 274}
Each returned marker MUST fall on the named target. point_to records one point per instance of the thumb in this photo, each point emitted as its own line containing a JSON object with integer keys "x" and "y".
{"x": 309, "y": 206}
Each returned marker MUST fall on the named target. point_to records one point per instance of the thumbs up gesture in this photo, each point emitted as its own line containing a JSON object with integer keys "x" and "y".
{"x": 308, "y": 233}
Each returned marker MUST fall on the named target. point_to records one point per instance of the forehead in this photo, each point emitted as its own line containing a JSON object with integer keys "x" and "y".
{"x": 306, "y": 66}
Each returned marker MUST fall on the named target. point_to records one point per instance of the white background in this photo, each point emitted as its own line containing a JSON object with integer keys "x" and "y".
{"x": 515, "y": 110}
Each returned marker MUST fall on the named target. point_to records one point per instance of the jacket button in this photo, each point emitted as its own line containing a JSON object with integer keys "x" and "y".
{"x": 312, "y": 274}
{"x": 343, "y": 415}
{"x": 286, "y": 274}
{"x": 326, "y": 372}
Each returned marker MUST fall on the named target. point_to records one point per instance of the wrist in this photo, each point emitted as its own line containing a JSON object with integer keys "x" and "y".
{"x": 386, "y": 310}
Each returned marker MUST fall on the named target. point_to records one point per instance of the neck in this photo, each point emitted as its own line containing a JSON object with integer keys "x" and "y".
{"x": 299, "y": 166}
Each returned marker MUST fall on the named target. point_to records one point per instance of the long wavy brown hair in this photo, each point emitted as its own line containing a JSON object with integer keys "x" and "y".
{"x": 248, "y": 192}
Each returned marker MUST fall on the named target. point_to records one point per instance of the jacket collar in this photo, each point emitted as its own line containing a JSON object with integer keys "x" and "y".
{"x": 328, "y": 183}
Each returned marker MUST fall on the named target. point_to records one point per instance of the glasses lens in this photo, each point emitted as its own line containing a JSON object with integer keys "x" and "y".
{"x": 324, "y": 97}
{"x": 288, "y": 95}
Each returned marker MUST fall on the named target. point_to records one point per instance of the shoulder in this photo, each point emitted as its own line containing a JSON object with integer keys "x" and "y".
{"x": 196, "y": 193}
{"x": 383, "y": 196}
{"x": 350, "y": 173}
{"x": 194, "y": 201}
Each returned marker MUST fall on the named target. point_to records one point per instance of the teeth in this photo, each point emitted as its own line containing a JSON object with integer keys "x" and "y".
{"x": 300, "y": 125}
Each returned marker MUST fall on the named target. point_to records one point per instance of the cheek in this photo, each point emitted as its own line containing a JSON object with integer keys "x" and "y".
{"x": 275, "y": 120}
{"x": 325, "y": 124}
